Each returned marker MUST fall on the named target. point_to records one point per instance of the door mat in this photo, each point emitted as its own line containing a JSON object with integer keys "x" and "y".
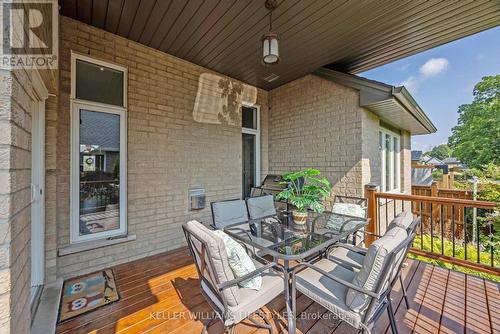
{"x": 86, "y": 293}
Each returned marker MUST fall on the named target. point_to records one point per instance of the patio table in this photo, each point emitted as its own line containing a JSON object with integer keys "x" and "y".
{"x": 288, "y": 242}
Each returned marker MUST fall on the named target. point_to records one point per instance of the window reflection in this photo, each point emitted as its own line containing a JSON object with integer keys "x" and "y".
{"x": 99, "y": 172}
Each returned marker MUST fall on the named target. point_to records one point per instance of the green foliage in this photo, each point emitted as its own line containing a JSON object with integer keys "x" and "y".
{"x": 440, "y": 152}
{"x": 437, "y": 174}
{"x": 492, "y": 171}
{"x": 475, "y": 140}
{"x": 305, "y": 190}
{"x": 489, "y": 192}
{"x": 459, "y": 254}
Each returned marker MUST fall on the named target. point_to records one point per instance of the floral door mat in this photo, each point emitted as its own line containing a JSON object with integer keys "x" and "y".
{"x": 87, "y": 293}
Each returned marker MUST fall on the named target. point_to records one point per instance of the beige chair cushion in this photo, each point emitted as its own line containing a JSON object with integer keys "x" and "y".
{"x": 251, "y": 300}
{"x": 373, "y": 264}
{"x": 221, "y": 271}
{"x": 262, "y": 206}
{"x": 328, "y": 293}
{"x": 403, "y": 220}
{"x": 239, "y": 261}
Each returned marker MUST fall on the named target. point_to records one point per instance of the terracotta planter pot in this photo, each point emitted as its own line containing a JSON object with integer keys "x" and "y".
{"x": 299, "y": 218}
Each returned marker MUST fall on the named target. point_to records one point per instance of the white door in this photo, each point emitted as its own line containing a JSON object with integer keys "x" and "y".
{"x": 37, "y": 199}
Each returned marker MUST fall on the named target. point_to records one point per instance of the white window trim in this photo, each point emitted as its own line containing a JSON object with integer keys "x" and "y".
{"x": 76, "y": 105}
{"x": 255, "y": 132}
{"x": 77, "y": 56}
{"x": 383, "y": 162}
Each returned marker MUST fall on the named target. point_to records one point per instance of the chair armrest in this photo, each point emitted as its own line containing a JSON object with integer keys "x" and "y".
{"x": 362, "y": 222}
{"x": 335, "y": 278}
{"x": 374, "y": 234}
{"x": 245, "y": 277}
{"x": 355, "y": 249}
{"x": 350, "y": 247}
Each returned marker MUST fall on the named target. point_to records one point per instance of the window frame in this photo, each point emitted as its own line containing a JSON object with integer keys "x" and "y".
{"x": 256, "y": 133}
{"x": 76, "y": 105}
{"x": 77, "y": 56}
{"x": 394, "y": 157}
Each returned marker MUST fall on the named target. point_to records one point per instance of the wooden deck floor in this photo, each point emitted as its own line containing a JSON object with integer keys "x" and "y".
{"x": 160, "y": 294}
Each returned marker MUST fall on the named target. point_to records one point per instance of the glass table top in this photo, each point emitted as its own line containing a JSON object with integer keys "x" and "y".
{"x": 286, "y": 240}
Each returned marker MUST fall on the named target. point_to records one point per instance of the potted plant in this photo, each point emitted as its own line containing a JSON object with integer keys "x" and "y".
{"x": 305, "y": 191}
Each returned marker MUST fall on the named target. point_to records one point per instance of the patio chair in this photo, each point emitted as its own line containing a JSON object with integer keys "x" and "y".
{"x": 261, "y": 207}
{"x": 231, "y": 303}
{"x": 352, "y": 257}
{"x": 230, "y": 212}
{"x": 353, "y": 211}
{"x": 358, "y": 298}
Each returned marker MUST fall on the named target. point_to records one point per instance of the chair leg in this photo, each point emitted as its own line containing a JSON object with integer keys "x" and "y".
{"x": 265, "y": 325}
{"x": 405, "y": 296}
{"x": 207, "y": 324}
{"x": 390, "y": 312}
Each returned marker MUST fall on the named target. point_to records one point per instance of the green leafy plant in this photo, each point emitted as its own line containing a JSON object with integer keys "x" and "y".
{"x": 305, "y": 190}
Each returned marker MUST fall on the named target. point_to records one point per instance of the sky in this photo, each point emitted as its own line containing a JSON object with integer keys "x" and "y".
{"x": 441, "y": 79}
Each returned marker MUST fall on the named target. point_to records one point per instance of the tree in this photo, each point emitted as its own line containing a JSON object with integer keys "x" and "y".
{"x": 440, "y": 152}
{"x": 476, "y": 138}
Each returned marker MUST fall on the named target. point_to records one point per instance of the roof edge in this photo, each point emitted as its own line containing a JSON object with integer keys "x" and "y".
{"x": 379, "y": 92}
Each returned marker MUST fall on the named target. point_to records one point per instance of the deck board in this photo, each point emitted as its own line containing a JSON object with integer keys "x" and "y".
{"x": 453, "y": 317}
{"x": 160, "y": 294}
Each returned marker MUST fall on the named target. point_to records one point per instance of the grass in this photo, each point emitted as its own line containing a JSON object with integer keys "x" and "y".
{"x": 459, "y": 254}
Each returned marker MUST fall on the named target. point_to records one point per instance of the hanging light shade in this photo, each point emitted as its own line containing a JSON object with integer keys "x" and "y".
{"x": 270, "y": 40}
{"x": 270, "y": 48}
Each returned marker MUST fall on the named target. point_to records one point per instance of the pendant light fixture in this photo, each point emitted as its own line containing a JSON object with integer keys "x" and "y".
{"x": 270, "y": 40}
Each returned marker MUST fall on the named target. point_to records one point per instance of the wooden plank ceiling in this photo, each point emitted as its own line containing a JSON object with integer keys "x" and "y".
{"x": 351, "y": 36}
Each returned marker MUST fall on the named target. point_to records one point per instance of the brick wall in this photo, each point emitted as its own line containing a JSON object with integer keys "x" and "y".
{"x": 371, "y": 162}
{"x": 406, "y": 162}
{"x": 318, "y": 123}
{"x": 168, "y": 151}
{"x": 15, "y": 212}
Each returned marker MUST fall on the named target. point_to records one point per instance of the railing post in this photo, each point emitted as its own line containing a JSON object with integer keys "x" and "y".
{"x": 370, "y": 191}
{"x": 434, "y": 189}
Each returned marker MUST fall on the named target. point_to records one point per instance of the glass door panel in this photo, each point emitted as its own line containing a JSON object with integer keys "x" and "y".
{"x": 99, "y": 179}
{"x": 249, "y": 153}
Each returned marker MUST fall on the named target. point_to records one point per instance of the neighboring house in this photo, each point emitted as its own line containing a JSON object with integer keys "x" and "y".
{"x": 123, "y": 131}
{"x": 454, "y": 163}
{"x": 432, "y": 161}
{"x": 416, "y": 156}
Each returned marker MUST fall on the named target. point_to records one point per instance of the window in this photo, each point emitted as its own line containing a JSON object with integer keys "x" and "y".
{"x": 250, "y": 148}
{"x": 98, "y": 149}
{"x": 389, "y": 146}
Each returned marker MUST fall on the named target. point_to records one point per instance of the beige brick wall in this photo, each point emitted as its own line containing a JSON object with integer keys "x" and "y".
{"x": 371, "y": 162}
{"x": 318, "y": 123}
{"x": 15, "y": 212}
{"x": 406, "y": 162}
{"x": 168, "y": 152}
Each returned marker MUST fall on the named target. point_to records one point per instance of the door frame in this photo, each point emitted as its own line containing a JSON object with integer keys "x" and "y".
{"x": 76, "y": 106}
{"x": 39, "y": 96}
{"x": 256, "y": 133}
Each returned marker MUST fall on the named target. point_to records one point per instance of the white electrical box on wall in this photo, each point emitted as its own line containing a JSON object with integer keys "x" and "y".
{"x": 196, "y": 198}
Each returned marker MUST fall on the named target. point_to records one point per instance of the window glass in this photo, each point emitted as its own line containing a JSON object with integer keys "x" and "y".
{"x": 99, "y": 179}
{"x": 396, "y": 162}
{"x": 99, "y": 83}
{"x": 249, "y": 164}
{"x": 388, "y": 162}
{"x": 249, "y": 117}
